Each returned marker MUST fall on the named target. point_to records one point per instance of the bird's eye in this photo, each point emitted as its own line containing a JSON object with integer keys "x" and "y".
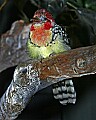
{"x": 42, "y": 18}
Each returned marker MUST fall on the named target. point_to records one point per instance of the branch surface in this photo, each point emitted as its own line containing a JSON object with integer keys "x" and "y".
{"x": 31, "y": 76}
{"x": 74, "y": 63}
{"x": 13, "y": 45}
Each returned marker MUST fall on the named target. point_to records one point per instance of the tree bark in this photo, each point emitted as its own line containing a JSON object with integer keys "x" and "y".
{"x": 31, "y": 76}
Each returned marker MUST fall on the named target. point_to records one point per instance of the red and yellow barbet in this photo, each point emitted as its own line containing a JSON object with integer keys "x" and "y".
{"x": 47, "y": 38}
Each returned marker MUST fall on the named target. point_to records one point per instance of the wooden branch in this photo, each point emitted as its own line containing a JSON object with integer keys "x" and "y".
{"x": 74, "y": 63}
{"x": 31, "y": 76}
{"x": 13, "y": 45}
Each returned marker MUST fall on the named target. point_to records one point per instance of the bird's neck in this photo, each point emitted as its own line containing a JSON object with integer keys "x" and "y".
{"x": 40, "y": 36}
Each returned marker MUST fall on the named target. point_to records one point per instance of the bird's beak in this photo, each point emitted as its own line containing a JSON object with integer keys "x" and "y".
{"x": 35, "y": 20}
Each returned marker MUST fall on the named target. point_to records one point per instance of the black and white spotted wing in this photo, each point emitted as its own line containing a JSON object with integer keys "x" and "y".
{"x": 58, "y": 31}
{"x": 63, "y": 91}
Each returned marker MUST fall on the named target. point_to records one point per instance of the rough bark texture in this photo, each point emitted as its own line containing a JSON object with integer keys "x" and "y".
{"x": 31, "y": 76}
{"x": 25, "y": 83}
{"x": 13, "y": 45}
{"x": 74, "y": 63}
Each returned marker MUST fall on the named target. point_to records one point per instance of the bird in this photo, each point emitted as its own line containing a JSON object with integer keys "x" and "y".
{"x": 46, "y": 38}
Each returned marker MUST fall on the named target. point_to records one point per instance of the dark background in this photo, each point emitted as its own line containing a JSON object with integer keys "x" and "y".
{"x": 43, "y": 106}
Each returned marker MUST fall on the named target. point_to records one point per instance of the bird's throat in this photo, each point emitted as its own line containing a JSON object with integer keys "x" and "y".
{"x": 40, "y": 36}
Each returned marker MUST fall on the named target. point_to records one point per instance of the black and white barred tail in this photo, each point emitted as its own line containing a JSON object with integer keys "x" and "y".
{"x": 64, "y": 91}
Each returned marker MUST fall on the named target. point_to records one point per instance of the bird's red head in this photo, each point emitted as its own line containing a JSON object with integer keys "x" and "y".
{"x": 40, "y": 29}
{"x": 43, "y": 16}
{"x": 43, "y": 13}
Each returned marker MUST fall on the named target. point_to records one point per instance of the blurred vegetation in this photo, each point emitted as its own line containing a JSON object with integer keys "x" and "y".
{"x": 3, "y": 4}
{"x": 79, "y": 17}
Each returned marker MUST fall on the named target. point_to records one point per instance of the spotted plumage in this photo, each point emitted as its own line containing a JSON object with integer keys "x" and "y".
{"x": 47, "y": 38}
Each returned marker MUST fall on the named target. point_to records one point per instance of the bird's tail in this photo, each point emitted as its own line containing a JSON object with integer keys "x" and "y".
{"x": 64, "y": 91}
